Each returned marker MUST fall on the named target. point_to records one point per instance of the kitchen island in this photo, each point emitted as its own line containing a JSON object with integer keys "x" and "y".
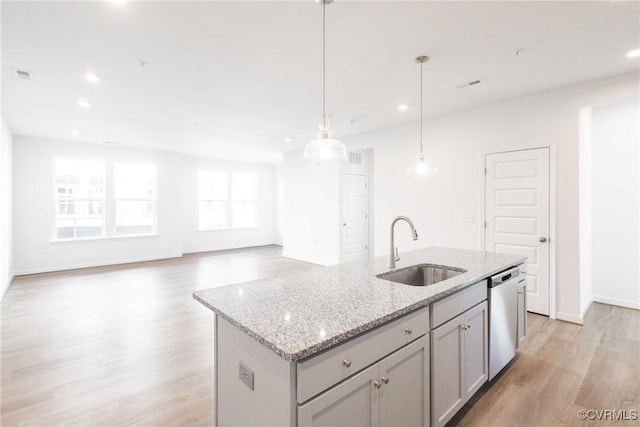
{"x": 312, "y": 348}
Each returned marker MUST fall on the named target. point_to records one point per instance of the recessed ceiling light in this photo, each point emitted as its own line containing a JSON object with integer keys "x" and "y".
{"x": 288, "y": 139}
{"x": 403, "y": 107}
{"x": 633, "y": 54}
{"x": 84, "y": 104}
{"x": 92, "y": 77}
{"x": 76, "y": 132}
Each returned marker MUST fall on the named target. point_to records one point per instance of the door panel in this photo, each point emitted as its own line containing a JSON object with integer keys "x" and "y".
{"x": 404, "y": 399}
{"x": 517, "y": 215}
{"x": 447, "y": 388}
{"x": 355, "y": 221}
{"x": 354, "y": 402}
{"x": 476, "y": 349}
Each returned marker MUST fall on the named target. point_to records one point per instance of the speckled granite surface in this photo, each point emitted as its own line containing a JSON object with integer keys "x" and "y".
{"x": 301, "y": 314}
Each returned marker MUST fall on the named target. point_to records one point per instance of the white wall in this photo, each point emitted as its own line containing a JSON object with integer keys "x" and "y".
{"x": 6, "y": 209}
{"x": 34, "y": 210}
{"x": 456, "y": 144}
{"x": 615, "y": 205}
{"x": 311, "y": 210}
{"x": 585, "y": 209}
{"x": 201, "y": 241}
{"x": 279, "y": 209}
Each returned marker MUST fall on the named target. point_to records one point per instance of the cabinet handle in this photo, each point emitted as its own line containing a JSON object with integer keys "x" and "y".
{"x": 408, "y": 331}
{"x": 468, "y": 326}
{"x": 385, "y": 380}
{"x": 347, "y": 363}
{"x": 463, "y": 327}
{"x": 377, "y": 384}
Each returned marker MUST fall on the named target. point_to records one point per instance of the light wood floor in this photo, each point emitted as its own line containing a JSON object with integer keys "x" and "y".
{"x": 127, "y": 345}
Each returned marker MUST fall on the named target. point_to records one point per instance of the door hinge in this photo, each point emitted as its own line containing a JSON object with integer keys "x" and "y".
{"x": 485, "y": 170}
{"x": 366, "y": 185}
{"x": 366, "y": 216}
{"x": 485, "y": 224}
{"x": 366, "y": 247}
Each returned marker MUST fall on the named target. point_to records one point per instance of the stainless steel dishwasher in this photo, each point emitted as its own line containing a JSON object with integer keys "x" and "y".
{"x": 503, "y": 319}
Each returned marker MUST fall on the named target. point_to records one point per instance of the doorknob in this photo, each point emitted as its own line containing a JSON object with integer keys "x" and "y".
{"x": 543, "y": 239}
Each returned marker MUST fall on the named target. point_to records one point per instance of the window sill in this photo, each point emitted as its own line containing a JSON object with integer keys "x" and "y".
{"x": 89, "y": 239}
{"x": 208, "y": 230}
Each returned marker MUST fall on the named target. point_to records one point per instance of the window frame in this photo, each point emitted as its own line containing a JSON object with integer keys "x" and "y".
{"x": 229, "y": 226}
{"x": 108, "y": 200}
{"x": 154, "y": 200}
{"x": 254, "y": 201}
{"x": 86, "y": 199}
{"x": 227, "y": 217}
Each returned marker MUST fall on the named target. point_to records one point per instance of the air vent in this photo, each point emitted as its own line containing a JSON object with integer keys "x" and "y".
{"x": 470, "y": 83}
{"x": 355, "y": 158}
{"x": 22, "y": 74}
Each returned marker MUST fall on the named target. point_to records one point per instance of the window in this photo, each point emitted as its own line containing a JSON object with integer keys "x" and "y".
{"x": 227, "y": 203}
{"x": 212, "y": 200}
{"x": 244, "y": 192}
{"x": 79, "y": 196}
{"x": 135, "y": 199}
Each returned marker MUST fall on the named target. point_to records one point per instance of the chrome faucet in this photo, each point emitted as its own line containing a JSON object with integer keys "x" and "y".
{"x": 393, "y": 256}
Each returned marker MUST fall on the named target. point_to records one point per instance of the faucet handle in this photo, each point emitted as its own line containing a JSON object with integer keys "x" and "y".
{"x": 397, "y": 258}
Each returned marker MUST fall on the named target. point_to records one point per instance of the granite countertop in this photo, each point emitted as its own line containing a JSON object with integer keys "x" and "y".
{"x": 301, "y": 314}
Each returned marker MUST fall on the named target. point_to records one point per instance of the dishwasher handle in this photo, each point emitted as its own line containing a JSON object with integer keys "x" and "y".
{"x": 505, "y": 276}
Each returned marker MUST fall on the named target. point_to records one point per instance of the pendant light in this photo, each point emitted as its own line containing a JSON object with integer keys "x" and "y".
{"x": 324, "y": 149}
{"x": 422, "y": 166}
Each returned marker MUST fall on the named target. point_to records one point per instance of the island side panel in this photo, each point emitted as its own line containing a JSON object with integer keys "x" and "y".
{"x": 272, "y": 400}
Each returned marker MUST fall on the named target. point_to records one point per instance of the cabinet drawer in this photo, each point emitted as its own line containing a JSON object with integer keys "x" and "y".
{"x": 450, "y": 307}
{"x": 330, "y": 367}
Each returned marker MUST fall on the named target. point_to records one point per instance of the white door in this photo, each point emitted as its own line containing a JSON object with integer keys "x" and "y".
{"x": 517, "y": 215}
{"x": 355, "y": 218}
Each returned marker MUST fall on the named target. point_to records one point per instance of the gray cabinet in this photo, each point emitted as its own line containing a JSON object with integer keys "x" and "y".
{"x": 354, "y": 402}
{"x": 459, "y": 361}
{"x": 522, "y": 312}
{"x": 476, "y": 349}
{"x": 393, "y": 392}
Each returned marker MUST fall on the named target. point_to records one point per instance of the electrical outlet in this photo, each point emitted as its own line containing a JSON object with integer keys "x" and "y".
{"x": 246, "y": 375}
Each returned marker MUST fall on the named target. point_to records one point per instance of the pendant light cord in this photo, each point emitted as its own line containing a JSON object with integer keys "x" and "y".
{"x": 324, "y": 60}
{"x": 421, "y": 150}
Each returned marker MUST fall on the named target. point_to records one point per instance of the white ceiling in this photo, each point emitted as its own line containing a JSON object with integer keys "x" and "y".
{"x": 232, "y": 79}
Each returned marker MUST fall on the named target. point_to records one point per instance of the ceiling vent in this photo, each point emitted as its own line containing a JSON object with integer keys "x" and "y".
{"x": 355, "y": 158}
{"x": 22, "y": 74}
{"x": 470, "y": 83}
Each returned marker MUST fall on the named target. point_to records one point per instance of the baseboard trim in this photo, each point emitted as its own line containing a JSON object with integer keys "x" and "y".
{"x": 571, "y": 318}
{"x": 6, "y": 286}
{"x": 617, "y": 302}
{"x": 586, "y": 307}
{"x": 231, "y": 248}
{"x": 94, "y": 265}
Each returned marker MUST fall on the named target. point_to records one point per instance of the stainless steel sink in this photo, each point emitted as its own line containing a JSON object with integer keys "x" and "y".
{"x": 421, "y": 275}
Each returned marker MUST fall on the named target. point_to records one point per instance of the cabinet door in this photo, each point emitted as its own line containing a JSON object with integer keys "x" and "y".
{"x": 404, "y": 395}
{"x": 476, "y": 349}
{"x": 522, "y": 312}
{"x": 354, "y": 402}
{"x": 447, "y": 391}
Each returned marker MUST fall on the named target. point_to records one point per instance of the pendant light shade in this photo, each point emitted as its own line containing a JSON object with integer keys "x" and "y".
{"x": 422, "y": 166}
{"x": 324, "y": 149}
